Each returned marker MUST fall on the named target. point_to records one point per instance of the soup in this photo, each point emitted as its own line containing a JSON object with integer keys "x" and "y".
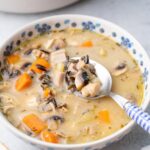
{"x": 38, "y": 98}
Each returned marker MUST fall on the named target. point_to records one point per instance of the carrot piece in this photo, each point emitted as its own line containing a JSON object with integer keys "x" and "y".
{"x": 87, "y": 44}
{"x": 34, "y": 123}
{"x": 41, "y": 62}
{"x": 47, "y": 92}
{"x": 23, "y": 82}
{"x": 104, "y": 116}
{"x": 49, "y": 136}
{"x": 12, "y": 59}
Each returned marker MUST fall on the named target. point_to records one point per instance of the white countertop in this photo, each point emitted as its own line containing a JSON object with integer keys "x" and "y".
{"x": 133, "y": 15}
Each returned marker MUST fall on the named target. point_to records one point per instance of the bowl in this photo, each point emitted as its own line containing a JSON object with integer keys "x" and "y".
{"x": 87, "y": 23}
{"x": 24, "y": 6}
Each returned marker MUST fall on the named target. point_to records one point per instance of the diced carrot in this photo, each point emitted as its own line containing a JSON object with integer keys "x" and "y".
{"x": 12, "y": 59}
{"x": 41, "y": 62}
{"x": 34, "y": 123}
{"x": 49, "y": 136}
{"x": 23, "y": 82}
{"x": 104, "y": 116}
{"x": 47, "y": 92}
{"x": 87, "y": 44}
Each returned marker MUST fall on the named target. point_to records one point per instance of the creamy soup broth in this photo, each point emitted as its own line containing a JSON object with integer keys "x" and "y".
{"x": 80, "y": 119}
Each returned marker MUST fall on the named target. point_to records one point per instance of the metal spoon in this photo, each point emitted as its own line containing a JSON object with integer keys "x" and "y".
{"x": 134, "y": 112}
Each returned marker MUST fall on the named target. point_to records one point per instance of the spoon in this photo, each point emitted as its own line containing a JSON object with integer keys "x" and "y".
{"x": 134, "y": 112}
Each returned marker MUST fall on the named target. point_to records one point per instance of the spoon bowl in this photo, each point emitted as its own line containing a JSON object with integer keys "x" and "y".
{"x": 105, "y": 79}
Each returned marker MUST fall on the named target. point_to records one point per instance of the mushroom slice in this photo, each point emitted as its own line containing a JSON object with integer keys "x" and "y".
{"x": 58, "y": 56}
{"x": 85, "y": 59}
{"x": 120, "y": 69}
{"x": 92, "y": 89}
{"x": 81, "y": 79}
{"x": 81, "y": 64}
{"x": 72, "y": 68}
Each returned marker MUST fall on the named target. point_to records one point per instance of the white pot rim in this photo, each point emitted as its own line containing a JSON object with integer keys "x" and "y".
{"x": 115, "y": 135}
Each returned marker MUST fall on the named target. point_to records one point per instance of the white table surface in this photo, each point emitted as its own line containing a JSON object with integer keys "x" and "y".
{"x": 133, "y": 15}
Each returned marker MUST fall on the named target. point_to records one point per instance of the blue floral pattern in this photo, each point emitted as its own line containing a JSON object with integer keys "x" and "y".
{"x": 42, "y": 28}
{"x": 126, "y": 42}
{"x": 89, "y": 25}
{"x": 145, "y": 74}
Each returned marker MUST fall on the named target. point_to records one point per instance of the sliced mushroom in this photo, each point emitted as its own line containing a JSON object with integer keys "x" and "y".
{"x": 91, "y": 68}
{"x": 81, "y": 64}
{"x": 81, "y": 79}
{"x": 72, "y": 67}
{"x": 91, "y": 90}
{"x": 85, "y": 59}
{"x": 58, "y": 56}
{"x": 120, "y": 69}
{"x": 69, "y": 80}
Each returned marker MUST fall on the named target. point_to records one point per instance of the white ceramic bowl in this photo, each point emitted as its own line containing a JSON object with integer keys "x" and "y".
{"x": 32, "y": 6}
{"x": 89, "y": 23}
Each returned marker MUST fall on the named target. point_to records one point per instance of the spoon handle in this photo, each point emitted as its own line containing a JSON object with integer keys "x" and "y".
{"x": 134, "y": 112}
{"x": 138, "y": 115}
